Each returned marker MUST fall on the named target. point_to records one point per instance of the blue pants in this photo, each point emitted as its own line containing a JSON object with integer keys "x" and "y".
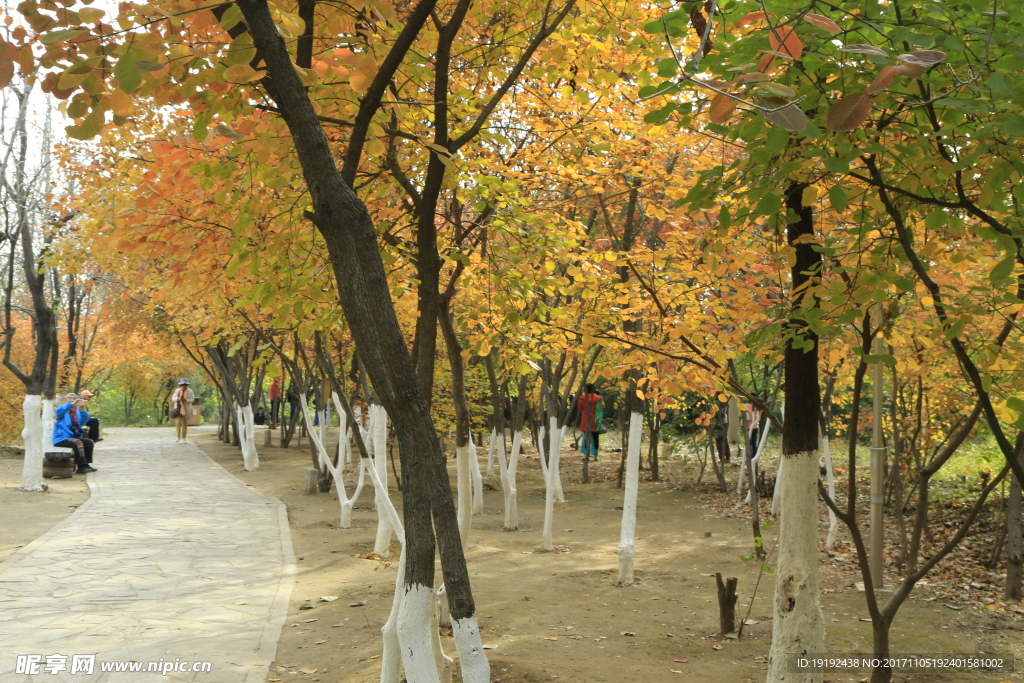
{"x": 589, "y": 444}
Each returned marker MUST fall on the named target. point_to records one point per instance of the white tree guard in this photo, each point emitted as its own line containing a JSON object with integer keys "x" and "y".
{"x": 508, "y": 481}
{"x": 32, "y": 435}
{"x": 478, "y": 480}
{"x": 798, "y": 626}
{"x": 627, "y": 536}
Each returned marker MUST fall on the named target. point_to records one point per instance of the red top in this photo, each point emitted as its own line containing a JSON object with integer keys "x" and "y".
{"x": 588, "y": 412}
{"x": 275, "y": 390}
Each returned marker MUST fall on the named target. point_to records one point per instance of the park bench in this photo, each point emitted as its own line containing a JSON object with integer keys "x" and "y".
{"x": 58, "y": 462}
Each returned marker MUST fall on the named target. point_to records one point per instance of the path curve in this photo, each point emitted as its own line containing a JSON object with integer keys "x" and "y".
{"x": 172, "y": 559}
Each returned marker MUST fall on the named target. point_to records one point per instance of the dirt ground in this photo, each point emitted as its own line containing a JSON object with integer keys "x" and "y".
{"x": 559, "y": 615}
{"x": 555, "y": 615}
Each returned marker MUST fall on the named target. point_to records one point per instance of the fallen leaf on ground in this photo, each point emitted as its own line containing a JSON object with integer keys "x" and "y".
{"x": 328, "y": 598}
{"x": 681, "y": 660}
{"x": 320, "y": 642}
{"x": 716, "y": 647}
{"x": 375, "y": 657}
{"x": 627, "y": 633}
{"x": 357, "y": 604}
{"x": 308, "y": 670}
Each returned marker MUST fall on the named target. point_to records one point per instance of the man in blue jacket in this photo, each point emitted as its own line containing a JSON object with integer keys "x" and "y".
{"x": 68, "y": 433}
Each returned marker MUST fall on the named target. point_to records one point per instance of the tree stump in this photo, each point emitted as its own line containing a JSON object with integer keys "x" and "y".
{"x": 311, "y": 484}
{"x": 726, "y": 604}
{"x": 58, "y": 464}
{"x": 267, "y": 438}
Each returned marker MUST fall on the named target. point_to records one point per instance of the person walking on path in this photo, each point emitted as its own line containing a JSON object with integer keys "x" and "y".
{"x": 67, "y": 433}
{"x": 181, "y": 402}
{"x": 591, "y": 412}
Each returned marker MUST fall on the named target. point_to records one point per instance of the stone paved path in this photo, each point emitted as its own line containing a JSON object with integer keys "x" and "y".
{"x": 171, "y": 559}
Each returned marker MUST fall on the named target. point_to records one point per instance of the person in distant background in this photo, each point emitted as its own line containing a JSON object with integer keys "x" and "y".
{"x": 91, "y": 425}
{"x": 591, "y": 412}
{"x": 260, "y": 417}
{"x": 182, "y": 399}
{"x": 275, "y": 402}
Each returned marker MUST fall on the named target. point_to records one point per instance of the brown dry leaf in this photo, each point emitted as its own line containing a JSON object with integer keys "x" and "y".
{"x": 308, "y": 670}
{"x": 721, "y": 109}
{"x": 375, "y": 657}
{"x": 823, "y": 23}
{"x": 883, "y": 80}
{"x": 550, "y": 637}
{"x": 369, "y": 556}
{"x": 681, "y": 660}
{"x": 320, "y": 642}
{"x": 849, "y": 113}
{"x": 273, "y": 680}
{"x": 716, "y": 647}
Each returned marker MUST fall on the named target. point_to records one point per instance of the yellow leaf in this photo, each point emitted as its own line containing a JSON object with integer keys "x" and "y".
{"x": 640, "y": 394}
{"x": 90, "y": 15}
{"x": 121, "y": 103}
{"x": 809, "y": 195}
{"x": 242, "y": 73}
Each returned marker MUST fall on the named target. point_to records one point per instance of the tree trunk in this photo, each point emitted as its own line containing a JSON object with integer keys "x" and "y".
{"x": 1014, "y": 559}
{"x": 798, "y": 626}
{"x": 726, "y": 604}
{"x": 32, "y": 435}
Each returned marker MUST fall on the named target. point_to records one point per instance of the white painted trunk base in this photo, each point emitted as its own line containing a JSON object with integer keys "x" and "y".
{"x": 414, "y": 622}
{"x": 491, "y": 443}
{"x": 833, "y": 521}
{"x": 464, "y": 488}
{"x": 798, "y": 626}
{"x": 557, "y": 437}
{"x": 49, "y": 418}
{"x": 247, "y": 437}
{"x": 378, "y": 432}
{"x": 472, "y": 659}
{"x": 627, "y": 536}
{"x": 478, "y": 480}
{"x": 508, "y": 481}
{"x": 32, "y": 435}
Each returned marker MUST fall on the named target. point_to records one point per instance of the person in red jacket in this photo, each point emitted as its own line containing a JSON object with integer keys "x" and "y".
{"x": 591, "y": 411}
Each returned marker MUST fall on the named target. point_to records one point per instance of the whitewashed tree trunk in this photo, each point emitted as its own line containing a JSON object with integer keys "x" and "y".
{"x": 338, "y": 472}
{"x": 798, "y": 626}
{"x": 32, "y": 435}
{"x": 379, "y": 442}
{"x": 391, "y": 656}
{"x": 414, "y": 622}
{"x": 557, "y": 437}
{"x": 757, "y": 456}
{"x": 48, "y": 419}
{"x": 508, "y": 480}
{"x": 627, "y": 536}
{"x": 490, "y": 451}
{"x": 833, "y": 521}
{"x": 777, "y": 494}
{"x": 247, "y": 437}
{"x": 443, "y": 662}
{"x": 549, "y": 494}
{"x": 478, "y": 480}
{"x": 472, "y": 659}
{"x": 464, "y": 487}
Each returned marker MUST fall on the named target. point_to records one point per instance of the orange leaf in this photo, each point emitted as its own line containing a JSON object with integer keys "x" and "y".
{"x": 721, "y": 109}
{"x": 883, "y": 80}
{"x": 765, "y": 63}
{"x": 823, "y": 23}
{"x": 753, "y": 76}
{"x": 752, "y": 17}
{"x": 785, "y": 40}
{"x": 6, "y": 72}
{"x": 848, "y": 113}
{"x": 121, "y": 102}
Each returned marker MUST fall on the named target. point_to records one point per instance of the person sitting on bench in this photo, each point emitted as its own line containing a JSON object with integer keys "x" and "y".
{"x": 67, "y": 433}
{"x": 91, "y": 424}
